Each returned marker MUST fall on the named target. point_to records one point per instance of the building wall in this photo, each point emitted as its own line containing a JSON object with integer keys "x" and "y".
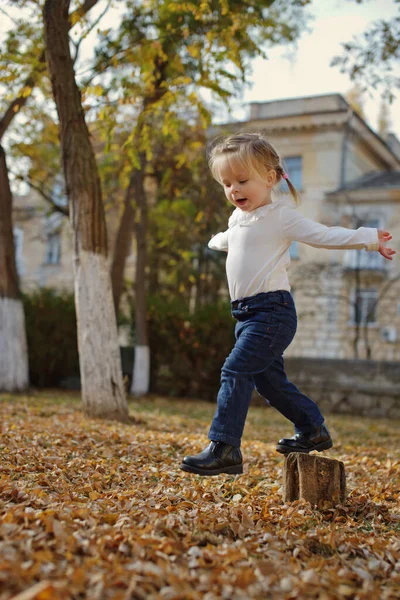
{"x": 359, "y": 160}
{"x": 31, "y": 222}
{"x": 29, "y": 217}
{"x": 370, "y": 388}
{"x": 298, "y": 106}
{"x": 325, "y": 327}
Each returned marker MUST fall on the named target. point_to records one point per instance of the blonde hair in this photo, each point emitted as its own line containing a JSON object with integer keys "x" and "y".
{"x": 254, "y": 153}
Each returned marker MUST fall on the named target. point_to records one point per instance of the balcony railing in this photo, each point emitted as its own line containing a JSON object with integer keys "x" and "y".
{"x": 361, "y": 259}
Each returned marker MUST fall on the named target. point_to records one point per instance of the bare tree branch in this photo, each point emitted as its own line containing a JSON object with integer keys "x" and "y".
{"x": 92, "y": 26}
{"x": 49, "y": 199}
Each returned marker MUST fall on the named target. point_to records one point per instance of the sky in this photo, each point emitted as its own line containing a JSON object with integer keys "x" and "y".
{"x": 307, "y": 71}
{"x": 304, "y": 69}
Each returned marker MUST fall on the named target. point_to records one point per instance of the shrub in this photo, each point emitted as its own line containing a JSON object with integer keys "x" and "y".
{"x": 52, "y": 337}
{"x": 187, "y": 351}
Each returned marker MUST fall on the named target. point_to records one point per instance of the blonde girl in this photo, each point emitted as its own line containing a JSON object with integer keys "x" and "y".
{"x": 257, "y": 241}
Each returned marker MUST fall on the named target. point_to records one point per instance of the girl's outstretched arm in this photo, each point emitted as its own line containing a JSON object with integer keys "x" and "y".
{"x": 296, "y": 227}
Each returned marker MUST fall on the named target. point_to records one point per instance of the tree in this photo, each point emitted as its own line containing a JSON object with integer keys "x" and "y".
{"x": 372, "y": 59}
{"x": 13, "y": 346}
{"x": 188, "y": 209}
{"x": 100, "y": 366}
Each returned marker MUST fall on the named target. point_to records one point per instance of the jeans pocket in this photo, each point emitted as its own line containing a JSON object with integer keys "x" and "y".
{"x": 282, "y": 339}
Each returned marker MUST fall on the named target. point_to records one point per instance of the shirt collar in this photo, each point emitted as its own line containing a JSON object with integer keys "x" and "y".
{"x": 243, "y": 218}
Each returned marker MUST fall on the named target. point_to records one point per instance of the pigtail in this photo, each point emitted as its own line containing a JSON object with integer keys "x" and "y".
{"x": 293, "y": 192}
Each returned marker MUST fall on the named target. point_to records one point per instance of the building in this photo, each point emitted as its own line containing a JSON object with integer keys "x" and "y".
{"x": 348, "y": 302}
{"x": 44, "y": 240}
{"x": 43, "y": 244}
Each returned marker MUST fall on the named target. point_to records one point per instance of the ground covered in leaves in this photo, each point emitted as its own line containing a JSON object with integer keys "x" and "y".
{"x": 100, "y": 510}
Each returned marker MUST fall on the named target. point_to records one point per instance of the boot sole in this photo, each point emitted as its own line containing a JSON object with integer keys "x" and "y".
{"x": 234, "y": 470}
{"x": 319, "y": 447}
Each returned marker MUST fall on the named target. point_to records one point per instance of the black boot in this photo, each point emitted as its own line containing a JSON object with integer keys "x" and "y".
{"x": 319, "y": 439}
{"x": 216, "y": 458}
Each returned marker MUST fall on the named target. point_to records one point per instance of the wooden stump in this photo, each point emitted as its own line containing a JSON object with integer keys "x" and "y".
{"x": 313, "y": 478}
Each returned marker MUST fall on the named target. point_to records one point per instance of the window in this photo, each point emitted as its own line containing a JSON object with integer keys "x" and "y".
{"x": 294, "y": 167}
{"x": 58, "y": 192}
{"x": 363, "y": 308}
{"x": 18, "y": 243}
{"x": 53, "y": 248}
{"x": 52, "y": 231}
{"x": 376, "y": 223}
{"x": 361, "y": 259}
{"x": 294, "y": 250}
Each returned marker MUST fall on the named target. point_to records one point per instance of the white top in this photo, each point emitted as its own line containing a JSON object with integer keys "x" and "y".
{"x": 258, "y": 245}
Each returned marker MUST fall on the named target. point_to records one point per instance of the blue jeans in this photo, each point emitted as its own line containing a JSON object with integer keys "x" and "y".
{"x": 266, "y": 325}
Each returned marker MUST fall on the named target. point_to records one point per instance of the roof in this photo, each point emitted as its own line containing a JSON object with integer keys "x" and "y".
{"x": 317, "y": 112}
{"x": 374, "y": 179}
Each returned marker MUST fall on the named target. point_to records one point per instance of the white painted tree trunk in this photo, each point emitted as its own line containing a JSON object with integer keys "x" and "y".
{"x": 14, "y": 373}
{"x": 103, "y": 391}
{"x": 141, "y": 371}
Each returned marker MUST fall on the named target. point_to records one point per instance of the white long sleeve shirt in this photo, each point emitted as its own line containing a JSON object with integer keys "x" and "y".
{"x": 258, "y": 245}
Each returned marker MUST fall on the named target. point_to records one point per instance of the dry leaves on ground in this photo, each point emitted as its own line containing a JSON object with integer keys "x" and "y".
{"x": 100, "y": 510}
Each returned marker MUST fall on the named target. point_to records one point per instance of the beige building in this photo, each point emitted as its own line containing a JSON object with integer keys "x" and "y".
{"x": 44, "y": 241}
{"x": 43, "y": 244}
{"x": 347, "y": 175}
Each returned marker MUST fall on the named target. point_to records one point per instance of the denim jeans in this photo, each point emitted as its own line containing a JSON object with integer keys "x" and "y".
{"x": 266, "y": 325}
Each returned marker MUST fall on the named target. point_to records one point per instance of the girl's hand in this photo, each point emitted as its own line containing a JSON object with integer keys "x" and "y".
{"x": 384, "y": 236}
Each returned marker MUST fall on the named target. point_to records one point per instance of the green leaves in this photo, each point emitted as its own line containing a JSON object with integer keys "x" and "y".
{"x": 177, "y": 48}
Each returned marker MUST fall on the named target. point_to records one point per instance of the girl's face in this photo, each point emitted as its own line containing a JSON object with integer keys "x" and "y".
{"x": 242, "y": 190}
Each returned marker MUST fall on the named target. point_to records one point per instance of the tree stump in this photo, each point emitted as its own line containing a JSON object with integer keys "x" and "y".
{"x": 313, "y": 478}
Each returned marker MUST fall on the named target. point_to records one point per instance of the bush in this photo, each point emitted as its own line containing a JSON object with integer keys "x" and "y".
{"x": 52, "y": 337}
{"x": 188, "y": 351}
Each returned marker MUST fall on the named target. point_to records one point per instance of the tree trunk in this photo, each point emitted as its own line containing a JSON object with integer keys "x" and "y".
{"x": 123, "y": 242}
{"x": 141, "y": 368}
{"x": 13, "y": 347}
{"x": 100, "y": 363}
{"x": 313, "y": 478}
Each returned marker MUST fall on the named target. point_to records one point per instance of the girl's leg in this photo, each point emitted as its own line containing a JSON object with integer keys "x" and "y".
{"x": 237, "y": 381}
{"x": 233, "y": 402}
{"x": 273, "y": 385}
{"x": 250, "y": 355}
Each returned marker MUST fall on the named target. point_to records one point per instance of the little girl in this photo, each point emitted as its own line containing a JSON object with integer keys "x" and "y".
{"x": 257, "y": 241}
